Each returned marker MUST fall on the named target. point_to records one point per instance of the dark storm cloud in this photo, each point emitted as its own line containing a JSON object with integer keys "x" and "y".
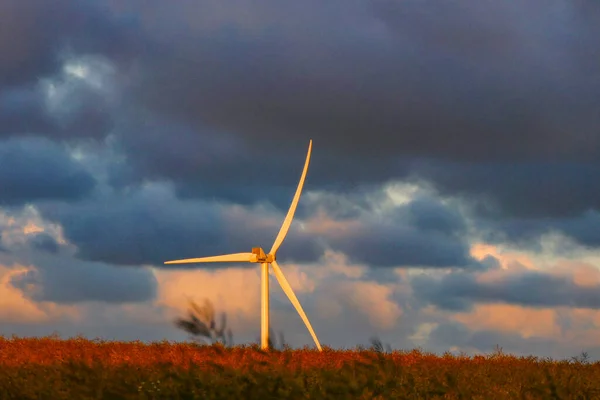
{"x": 379, "y": 86}
{"x": 22, "y": 110}
{"x": 37, "y": 35}
{"x": 37, "y": 169}
{"x": 462, "y": 80}
{"x": 215, "y": 164}
{"x": 525, "y": 232}
{"x": 81, "y": 109}
{"x": 222, "y": 100}
{"x": 63, "y": 107}
{"x": 67, "y": 280}
{"x": 44, "y": 242}
{"x": 422, "y": 233}
{"x": 524, "y": 189}
{"x": 432, "y": 216}
{"x": 390, "y": 245}
{"x": 151, "y": 226}
{"x": 346, "y": 205}
{"x": 30, "y": 39}
{"x": 37, "y": 40}
{"x": 535, "y": 289}
{"x": 142, "y": 227}
{"x": 583, "y": 229}
{"x": 77, "y": 111}
{"x": 518, "y": 202}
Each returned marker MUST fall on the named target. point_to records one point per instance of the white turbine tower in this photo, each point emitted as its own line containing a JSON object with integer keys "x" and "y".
{"x": 258, "y": 256}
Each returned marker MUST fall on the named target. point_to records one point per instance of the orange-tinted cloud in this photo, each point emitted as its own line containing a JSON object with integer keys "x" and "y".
{"x": 370, "y": 299}
{"x": 563, "y": 324}
{"x": 583, "y": 274}
{"x": 508, "y": 259}
{"x": 511, "y": 318}
{"x": 16, "y": 308}
{"x": 321, "y": 224}
{"x": 235, "y": 291}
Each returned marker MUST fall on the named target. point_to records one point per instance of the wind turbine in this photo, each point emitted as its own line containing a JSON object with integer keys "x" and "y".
{"x": 258, "y": 256}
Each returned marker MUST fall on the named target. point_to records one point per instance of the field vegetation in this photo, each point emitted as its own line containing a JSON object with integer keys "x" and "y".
{"x": 50, "y": 368}
{"x": 78, "y": 368}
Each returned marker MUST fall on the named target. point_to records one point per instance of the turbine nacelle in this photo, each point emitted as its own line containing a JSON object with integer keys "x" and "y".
{"x": 259, "y": 256}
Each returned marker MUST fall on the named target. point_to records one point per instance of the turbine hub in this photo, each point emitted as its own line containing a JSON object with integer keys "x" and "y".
{"x": 261, "y": 257}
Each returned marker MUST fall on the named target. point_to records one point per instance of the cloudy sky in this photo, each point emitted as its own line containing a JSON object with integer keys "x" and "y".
{"x": 453, "y": 197}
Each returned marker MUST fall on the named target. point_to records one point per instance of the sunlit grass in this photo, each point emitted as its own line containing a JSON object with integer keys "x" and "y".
{"x": 93, "y": 369}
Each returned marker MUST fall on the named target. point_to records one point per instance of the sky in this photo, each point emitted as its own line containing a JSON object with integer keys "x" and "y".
{"x": 452, "y": 200}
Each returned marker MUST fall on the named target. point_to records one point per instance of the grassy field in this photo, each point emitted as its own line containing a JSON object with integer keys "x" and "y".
{"x": 50, "y": 368}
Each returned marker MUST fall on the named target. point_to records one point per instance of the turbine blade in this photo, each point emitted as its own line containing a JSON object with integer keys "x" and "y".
{"x": 237, "y": 257}
{"x": 290, "y": 294}
{"x": 290, "y": 215}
